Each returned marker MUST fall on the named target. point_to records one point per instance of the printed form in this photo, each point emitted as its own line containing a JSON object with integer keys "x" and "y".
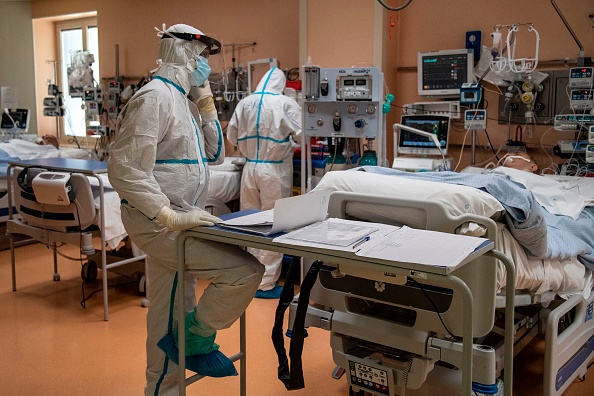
{"x": 386, "y": 242}
{"x": 410, "y": 245}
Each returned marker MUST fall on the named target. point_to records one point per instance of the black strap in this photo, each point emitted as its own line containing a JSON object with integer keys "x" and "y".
{"x": 292, "y": 376}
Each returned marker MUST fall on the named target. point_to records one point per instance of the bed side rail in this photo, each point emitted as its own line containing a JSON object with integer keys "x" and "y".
{"x": 437, "y": 217}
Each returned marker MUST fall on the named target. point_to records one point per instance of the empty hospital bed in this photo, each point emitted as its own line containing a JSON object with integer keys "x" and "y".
{"x": 96, "y": 210}
{"x": 411, "y": 328}
{"x": 16, "y": 149}
{"x": 57, "y": 205}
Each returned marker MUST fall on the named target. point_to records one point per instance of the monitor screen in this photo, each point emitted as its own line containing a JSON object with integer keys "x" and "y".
{"x": 442, "y": 73}
{"x": 16, "y": 118}
{"x": 413, "y": 143}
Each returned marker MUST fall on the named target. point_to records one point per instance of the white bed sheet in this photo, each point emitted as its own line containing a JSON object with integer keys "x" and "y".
{"x": 225, "y": 183}
{"x": 225, "y": 180}
{"x": 539, "y": 277}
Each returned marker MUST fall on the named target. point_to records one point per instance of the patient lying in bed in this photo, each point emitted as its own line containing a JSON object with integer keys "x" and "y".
{"x": 553, "y": 250}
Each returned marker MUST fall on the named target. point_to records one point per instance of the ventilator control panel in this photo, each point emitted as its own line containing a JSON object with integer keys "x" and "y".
{"x": 354, "y": 88}
{"x": 343, "y": 102}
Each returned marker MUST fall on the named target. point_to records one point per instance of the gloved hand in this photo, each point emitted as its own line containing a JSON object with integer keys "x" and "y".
{"x": 175, "y": 221}
{"x": 203, "y": 98}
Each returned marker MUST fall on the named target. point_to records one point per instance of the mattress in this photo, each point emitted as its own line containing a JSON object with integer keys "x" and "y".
{"x": 537, "y": 276}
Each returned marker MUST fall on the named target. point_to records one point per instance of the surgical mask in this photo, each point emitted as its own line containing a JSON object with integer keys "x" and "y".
{"x": 200, "y": 75}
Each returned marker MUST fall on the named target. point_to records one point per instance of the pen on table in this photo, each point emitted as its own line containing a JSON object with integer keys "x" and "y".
{"x": 356, "y": 245}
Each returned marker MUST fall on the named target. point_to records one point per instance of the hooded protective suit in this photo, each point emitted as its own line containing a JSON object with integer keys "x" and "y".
{"x": 263, "y": 126}
{"x": 159, "y": 167}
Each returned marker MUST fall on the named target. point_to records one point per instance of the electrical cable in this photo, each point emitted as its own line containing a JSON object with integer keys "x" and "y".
{"x": 82, "y": 303}
{"x": 405, "y": 376}
{"x": 80, "y": 254}
{"x": 433, "y": 304}
{"x": 462, "y": 149}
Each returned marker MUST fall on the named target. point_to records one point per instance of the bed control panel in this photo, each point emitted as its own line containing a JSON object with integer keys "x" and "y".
{"x": 370, "y": 377}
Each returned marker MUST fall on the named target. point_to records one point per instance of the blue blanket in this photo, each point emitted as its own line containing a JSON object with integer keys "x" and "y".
{"x": 4, "y": 158}
{"x": 542, "y": 234}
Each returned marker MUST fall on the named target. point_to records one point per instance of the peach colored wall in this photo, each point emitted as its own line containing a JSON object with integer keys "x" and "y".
{"x": 340, "y": 32}
{"x": 273, "y": 25}
{"x": 53, "y": 8}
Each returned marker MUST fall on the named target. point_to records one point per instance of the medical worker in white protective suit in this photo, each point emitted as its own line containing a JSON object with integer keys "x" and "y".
{"x": 264, "y": 127}
{"x": 159, "y": 167}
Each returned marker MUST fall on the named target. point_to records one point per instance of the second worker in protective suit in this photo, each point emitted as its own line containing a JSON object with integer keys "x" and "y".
{"x": 159, "y": 167}
{"x": 264, "y": 126}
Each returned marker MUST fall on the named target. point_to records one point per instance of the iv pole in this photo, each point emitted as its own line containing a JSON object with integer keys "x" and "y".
{"x": 56, "y": 95}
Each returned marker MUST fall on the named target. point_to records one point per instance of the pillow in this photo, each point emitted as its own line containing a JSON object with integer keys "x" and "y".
{"x": 456, "y": 199}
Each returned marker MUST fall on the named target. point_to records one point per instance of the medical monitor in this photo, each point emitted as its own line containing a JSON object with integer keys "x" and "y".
{"x": 442, "y": 73}
{"x": 15, "y": 118}
{"x": 413, "y": 143}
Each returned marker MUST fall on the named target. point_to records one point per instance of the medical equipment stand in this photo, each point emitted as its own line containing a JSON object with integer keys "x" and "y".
{"x": 181, "y": 324}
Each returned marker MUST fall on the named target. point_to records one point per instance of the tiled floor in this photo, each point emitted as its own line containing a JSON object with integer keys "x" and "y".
{"x": 50, "y": 345}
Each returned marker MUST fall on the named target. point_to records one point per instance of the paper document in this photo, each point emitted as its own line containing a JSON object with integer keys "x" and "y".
{"x": 387, "y": 242}
{"x": 363, "y": 233}
{"x": 259, "y": 218}
{"x": 409, "y": 245}
{"x": 288, "y": 213}
{"x": 331, "y": 232}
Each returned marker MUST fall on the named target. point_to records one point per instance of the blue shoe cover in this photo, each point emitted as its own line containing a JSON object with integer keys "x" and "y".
{"x": 275, "y": 292}
{"x": 213, "y": 364}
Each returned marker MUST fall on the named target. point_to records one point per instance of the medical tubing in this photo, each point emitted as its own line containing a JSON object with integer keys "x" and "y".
{"x": 387, "y": 7}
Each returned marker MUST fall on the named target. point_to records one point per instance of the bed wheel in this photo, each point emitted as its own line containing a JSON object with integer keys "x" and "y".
{"x": 353, "y": 393}
{"x": 56, "y": 277}
{"x": 88, "y": 271}
{"x": 142, "y": 285}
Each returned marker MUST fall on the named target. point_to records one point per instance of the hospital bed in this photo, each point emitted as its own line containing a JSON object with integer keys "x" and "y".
{"x": 57, "y": 205}
{"x": 225, "y": 186}
{"x": 97, "y": 208}
{"x": 17, "y": 149}
{"x": 412, "y": 328}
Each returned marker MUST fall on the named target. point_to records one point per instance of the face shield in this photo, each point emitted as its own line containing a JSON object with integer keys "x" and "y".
{"x": 188, "y": 49}
{"x": 213, "y": 46}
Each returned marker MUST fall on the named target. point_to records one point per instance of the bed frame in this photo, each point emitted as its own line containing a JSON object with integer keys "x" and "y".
{"x": 399, "y": 329}
{"x": 74, "y": 223}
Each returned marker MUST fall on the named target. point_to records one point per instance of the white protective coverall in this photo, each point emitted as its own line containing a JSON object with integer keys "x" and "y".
{"x": 159, "y": 159}
{"x": 262, "y": 126}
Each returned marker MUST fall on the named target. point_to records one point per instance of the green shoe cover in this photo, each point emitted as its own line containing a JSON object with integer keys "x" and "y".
{"x": 195, "y": 344}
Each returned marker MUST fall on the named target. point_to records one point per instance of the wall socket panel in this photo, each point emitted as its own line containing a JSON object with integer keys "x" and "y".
{"x": 542, "y": 116}
{"x": 553, "y": 97}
